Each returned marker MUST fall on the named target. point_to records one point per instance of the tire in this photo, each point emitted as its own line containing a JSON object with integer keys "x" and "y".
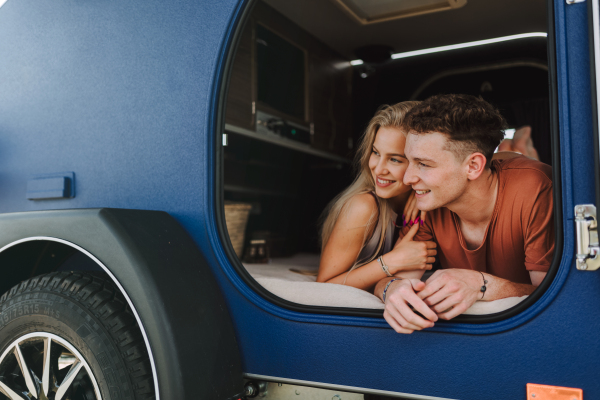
{"x": 87, "y": 324}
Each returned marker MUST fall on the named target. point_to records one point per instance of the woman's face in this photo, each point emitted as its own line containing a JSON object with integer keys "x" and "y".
{"x": 388, "y": 162}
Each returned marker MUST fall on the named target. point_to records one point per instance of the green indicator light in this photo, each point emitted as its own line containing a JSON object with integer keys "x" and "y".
{"x": 293, "y": 131}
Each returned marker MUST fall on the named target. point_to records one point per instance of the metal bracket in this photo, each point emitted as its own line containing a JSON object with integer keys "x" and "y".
{"x": 574, "y": 1}
{"x": 586, "y": 229}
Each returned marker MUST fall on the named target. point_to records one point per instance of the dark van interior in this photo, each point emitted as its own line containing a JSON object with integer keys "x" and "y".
{"x": 308, "y": 75}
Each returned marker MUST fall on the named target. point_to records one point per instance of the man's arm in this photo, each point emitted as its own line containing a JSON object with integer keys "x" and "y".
{"x": 536, "y": 277}
{"x": 401, "y": 294}
{"x": 451, "y": 292}
{"x": 447, "y": 294}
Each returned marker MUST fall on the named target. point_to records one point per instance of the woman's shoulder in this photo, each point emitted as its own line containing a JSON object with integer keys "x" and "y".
{"x": 361, "y": 208}
{"x": 363, "y": 203}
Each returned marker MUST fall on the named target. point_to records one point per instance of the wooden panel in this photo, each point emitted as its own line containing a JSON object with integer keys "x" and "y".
{"x": 330, "y": 104}
{"x": 241, "y": 84}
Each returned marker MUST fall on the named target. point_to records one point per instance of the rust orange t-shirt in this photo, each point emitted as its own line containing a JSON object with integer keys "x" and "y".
{"x": 520, "y": 235}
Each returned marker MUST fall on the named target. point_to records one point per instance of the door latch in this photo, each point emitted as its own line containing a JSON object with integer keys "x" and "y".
{"x": 586, "y": 229}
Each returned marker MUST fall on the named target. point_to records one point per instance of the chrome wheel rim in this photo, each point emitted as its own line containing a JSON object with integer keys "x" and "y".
{"x": 45, "y": 366}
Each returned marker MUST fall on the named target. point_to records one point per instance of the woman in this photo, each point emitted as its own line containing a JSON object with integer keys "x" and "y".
{"x": 360, "y": 224}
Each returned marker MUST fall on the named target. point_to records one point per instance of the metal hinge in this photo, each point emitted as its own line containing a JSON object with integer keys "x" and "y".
{"x": 586, "y": 229}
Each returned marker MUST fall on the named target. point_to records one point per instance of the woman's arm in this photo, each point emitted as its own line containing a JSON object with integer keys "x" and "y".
{"x": 350, "y": 232}
{"x": 407, "y": 259}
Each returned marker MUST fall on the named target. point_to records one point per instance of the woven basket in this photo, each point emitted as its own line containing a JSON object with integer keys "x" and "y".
{"x": 236, "y": 218}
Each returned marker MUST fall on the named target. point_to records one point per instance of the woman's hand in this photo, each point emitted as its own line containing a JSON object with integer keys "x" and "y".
{"x": 411, "y": 212}
{"x": 410, "y": 209}
{"x": 409, "y": 255}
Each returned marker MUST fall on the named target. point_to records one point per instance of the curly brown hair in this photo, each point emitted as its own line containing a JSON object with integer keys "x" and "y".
{"x": 470, "y": 123}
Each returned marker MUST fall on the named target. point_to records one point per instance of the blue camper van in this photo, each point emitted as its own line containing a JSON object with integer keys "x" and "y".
{"x": 163, "y": 166}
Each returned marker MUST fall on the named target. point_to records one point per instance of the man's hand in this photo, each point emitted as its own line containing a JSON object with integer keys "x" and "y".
{"x": 399, "y": 297}
{"x": 451, "y": 292}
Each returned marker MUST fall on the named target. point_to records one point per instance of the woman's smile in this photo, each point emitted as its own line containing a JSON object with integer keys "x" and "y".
{"x": 383, "y": 182}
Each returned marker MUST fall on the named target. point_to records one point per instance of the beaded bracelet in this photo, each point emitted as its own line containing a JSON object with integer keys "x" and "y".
{"x": 387, "y": 286}
{"x": 483, "y": 288}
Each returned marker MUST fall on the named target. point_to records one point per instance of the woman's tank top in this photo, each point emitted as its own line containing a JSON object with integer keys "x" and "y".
{"x": 370, "y": 249}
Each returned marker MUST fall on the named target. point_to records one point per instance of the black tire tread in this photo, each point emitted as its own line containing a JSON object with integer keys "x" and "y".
{"x": 98, "y": 294}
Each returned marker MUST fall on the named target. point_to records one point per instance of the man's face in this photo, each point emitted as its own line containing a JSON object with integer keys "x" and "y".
{"x": 434, "y": 172}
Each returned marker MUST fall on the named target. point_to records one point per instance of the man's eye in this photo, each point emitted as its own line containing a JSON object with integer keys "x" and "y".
{"x": 423, "y": 165}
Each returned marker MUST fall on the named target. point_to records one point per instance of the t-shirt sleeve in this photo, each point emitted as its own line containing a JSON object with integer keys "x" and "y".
{"x": 539, "y": 233}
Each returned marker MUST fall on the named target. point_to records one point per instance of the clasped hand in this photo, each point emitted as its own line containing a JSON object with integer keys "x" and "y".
{"x": 408, "y": 255}
{"x": 446, "y": 294}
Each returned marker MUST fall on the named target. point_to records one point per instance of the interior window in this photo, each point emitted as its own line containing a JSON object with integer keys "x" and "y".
{"x": 307, "y": 76}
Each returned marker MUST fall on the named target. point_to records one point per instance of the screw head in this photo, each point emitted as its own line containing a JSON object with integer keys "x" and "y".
{"x": 250, "y": 389}
{"x": 532, "y": 394}
{"x": 580, "y": 210}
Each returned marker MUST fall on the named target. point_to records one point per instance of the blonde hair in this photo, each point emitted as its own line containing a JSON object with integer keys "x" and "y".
{"x": 387, "y": 116}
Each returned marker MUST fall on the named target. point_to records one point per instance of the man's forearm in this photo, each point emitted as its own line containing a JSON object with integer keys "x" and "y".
{"x": 498, "y": 288}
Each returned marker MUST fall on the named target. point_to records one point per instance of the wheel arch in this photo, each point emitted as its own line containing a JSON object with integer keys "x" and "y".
{"x": 164, "y": 278}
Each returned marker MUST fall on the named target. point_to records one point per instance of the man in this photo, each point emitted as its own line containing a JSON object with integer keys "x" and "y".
{"x": 492, "y": 221}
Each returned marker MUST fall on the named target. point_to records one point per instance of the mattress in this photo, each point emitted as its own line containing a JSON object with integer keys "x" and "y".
{"x": 294, "y": 279}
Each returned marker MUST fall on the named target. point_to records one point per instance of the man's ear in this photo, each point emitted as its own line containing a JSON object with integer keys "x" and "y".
{"x": 475, "y": 164}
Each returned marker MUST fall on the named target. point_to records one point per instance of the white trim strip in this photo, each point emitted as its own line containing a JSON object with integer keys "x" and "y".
{"x": 341, "y": 388}
{"x": 462, "y": 45}
{"x": 468, "y": 44}
{"x": 135, "y": 313}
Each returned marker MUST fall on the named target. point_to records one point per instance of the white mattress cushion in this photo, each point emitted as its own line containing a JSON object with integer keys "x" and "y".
{"x": 279, "y": 278}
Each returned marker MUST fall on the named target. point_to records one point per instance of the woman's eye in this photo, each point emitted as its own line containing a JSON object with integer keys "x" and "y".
{"x": 375, "y": 152}
{"x": 396, "y": 160}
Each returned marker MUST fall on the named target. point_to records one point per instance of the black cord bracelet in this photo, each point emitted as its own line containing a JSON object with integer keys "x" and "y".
{"x": 483, "y": 288}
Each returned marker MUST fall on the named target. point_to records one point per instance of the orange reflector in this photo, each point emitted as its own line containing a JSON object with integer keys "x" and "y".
{"x": 545, "y": 392}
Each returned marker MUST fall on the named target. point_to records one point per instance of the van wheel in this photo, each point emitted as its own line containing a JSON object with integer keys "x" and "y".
{"x": 71, "y": 336}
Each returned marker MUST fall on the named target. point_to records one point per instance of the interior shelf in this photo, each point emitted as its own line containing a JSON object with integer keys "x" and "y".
{"x": 283, "y": 142}
{"x": 252, "y": 190}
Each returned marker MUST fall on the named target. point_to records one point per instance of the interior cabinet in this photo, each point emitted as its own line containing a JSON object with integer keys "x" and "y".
{"x": 288, "y": 182}
{"x": 328, "y": 85}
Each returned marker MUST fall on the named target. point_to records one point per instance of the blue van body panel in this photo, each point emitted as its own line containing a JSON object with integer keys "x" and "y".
{"x": 103, "y": 89}
{"x": 125, "y": 95}
{"x": 580, "y": 132}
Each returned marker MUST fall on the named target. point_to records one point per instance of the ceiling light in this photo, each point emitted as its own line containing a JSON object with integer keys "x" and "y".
{"x": 468, "y": 44}
{"x": 462, "y": 45}
{"x": 372, "y": 11}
